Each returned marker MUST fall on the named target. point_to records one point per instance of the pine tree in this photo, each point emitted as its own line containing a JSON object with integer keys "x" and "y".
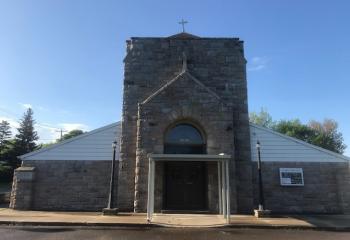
{"x": 26, "y": 137}
{"x": 5, "y": 135}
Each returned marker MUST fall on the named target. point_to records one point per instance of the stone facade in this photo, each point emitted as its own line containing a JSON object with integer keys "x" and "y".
{"x": 210, "y": 93}
{"x": 325, "y": 190}
{"x": 22, "y": 188}
{"x": 83, "y": 186}
{"x": 343, "y": 179}
{"x": 64, "y": 185}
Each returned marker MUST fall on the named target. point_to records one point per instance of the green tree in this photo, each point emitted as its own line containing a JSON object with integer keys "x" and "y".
{"x": 66, "y": 136}
{"x": 44, "y": 145}
{"x": 71, "y": 134}
{"x": 324, "y": 134}
{"x": 327, "y": 135}
{"x": 5, "y": 135}
{"x": 263, "y": 118}
{"x": 5, "y": 172}
{"x": 5, "y": 146}
{"x": 8, "y": 163}
{"x": 294, "y": 128}
{"x": 25, "y": 138}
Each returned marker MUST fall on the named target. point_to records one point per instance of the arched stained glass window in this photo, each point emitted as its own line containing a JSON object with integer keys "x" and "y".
{"x": 184, "y": 139}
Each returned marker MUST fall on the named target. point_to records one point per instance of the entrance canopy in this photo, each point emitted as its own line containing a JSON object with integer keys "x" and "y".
{"x": 223, "y": 178}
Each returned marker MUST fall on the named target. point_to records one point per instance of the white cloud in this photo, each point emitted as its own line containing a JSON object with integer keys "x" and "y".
{"x": 49, "y": 133}
{"x": 13, "y": 123}
{"x": 73, "y": 126}
{"x": 46, "y": 133}
{"x": 41, "y": 108}
{"x": 26, "y": 105}
{"x": 257, "y": 63}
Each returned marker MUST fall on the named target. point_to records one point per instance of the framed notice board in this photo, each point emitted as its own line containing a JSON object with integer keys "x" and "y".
{"x": 291, "y": 177}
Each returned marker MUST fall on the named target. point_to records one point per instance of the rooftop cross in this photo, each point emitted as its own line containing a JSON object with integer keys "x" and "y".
{"x": 183, "y": 22}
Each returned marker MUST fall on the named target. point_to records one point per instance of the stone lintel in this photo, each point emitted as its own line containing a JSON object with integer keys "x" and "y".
{"x": 25, "y": 169}
{"x": 25, "y": 173}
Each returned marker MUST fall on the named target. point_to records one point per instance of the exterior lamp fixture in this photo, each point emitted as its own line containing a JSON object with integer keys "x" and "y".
{"x": 261, "y": 211}
{"x": 111, "y": 209}
{"x": 261, "y": 191}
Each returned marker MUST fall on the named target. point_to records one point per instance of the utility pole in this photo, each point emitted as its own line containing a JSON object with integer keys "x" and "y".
{"x": 61, "y": 131}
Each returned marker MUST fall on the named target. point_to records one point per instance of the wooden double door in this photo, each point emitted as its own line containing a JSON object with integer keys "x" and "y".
{"x": 185, "y": 186}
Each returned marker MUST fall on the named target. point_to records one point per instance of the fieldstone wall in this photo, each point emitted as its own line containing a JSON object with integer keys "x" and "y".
{"x": 219, "y": 65}
{"x": 324, "y": 189}
{"x": 188, "y": 102}
{"x": 343, "y": 179}
{"x": 66, "y": 185}
{"x": 22, "y": 188}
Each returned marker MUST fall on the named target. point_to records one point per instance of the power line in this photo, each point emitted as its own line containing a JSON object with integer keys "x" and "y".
{"x": 9, "y": 113}
{"x": 61, "y": 131}
{"x": 44, "y": 125}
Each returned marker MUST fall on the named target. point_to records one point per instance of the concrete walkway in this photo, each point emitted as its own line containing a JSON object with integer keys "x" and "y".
{"x": 324, "y": 222}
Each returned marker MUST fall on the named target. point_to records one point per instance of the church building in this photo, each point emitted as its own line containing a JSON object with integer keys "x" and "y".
{"x": 185, "y": 144}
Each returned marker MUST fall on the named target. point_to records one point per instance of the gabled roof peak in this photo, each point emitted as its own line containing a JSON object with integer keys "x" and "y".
{"x": 184, "y": 35}
{"x": 183, "y": 74}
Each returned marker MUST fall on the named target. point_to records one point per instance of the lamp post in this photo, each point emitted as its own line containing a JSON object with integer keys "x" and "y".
{"x": 111, "y": 210}
{"x": 261, "y": 190}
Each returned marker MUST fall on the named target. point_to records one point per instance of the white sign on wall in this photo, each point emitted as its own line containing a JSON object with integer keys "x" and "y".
{"x": 291, "y": 177}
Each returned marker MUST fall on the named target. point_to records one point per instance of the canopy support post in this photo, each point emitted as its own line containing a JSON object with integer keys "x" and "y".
{"x": 223, "y": 162}
{"x": 228, "y": 200}
{"x": 150, "y": 196}
{"x": 223, "y": 189}
{"x": 219, "y": 187}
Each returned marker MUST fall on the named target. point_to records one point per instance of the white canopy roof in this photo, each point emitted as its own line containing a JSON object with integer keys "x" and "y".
{"x": 93, "y": 145}
{"x": 97, "y": 145}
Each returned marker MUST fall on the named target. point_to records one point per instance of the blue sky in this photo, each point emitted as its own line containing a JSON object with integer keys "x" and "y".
{"x": 64, "y": 58}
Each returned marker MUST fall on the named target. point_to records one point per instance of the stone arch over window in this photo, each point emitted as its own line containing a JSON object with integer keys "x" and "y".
{"x": 184, "y": 138}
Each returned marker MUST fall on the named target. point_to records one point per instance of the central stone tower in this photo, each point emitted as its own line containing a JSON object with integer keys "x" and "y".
{"x": 184, "y": 94}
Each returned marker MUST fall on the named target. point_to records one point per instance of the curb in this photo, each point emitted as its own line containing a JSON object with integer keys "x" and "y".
{"x": 292, "y": 227}
{"x": 76, "y": 224}
{"x": 155, "y": 225}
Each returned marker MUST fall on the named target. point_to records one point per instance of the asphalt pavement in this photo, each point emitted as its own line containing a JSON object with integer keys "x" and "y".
{"x": 87, "y": 233}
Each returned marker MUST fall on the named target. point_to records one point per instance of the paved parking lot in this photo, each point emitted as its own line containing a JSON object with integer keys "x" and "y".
{"x": 55, "y": 233}
{"x": 46, "y": 218}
